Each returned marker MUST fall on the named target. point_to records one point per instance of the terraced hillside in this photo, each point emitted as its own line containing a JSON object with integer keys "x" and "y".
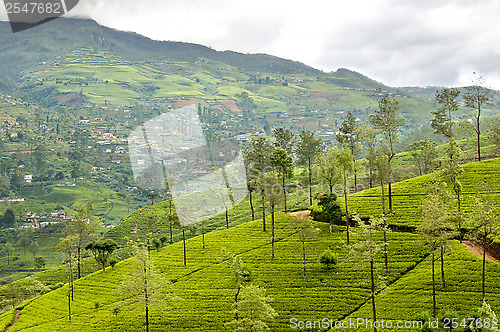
{"x": 208, "y": 289}
{"x": 207, "y": 286}
{"x": 407, "y": 195}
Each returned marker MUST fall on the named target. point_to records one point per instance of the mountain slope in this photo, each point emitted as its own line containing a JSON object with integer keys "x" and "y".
{"x": 66, "y": 34}
{"x": 207, "y": 287}
{"x": 408, "y": 194}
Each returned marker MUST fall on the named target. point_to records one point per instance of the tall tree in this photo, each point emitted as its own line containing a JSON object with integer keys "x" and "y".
{"x": 25, "y": 239}
{"x": 241, "y": 274}
{"x": 484, "y": 217}
{"x": 345, "y": 164}
{"x": 67, "y": 245}
{"x": 436, "y": 224}
{"x": 383, "y": 170}
{"x": 169, "y": 184}
{"x": 34, "y": 248}
{"x": 257, "y": 159}
{"x": 307, "y": 150}
{"x": 476, "y": 98}
{"x": 102, "y": 250}
{"x": 452, "y": 170}
{"x": 285, "y": 139}
{"x": 369, "y": 138}
{"x": 283, "y": 164}
{"x": 84, "y": 228}
{"x": 349, "y": 135}
{"x": 253, "y": 310}
{"x": 273, "y": 189}
{"x": 367, "y": 250}
{"x": 442, "y": 122}
{"x": 327, "y": 169}
{"x": 424, "y": 154}
{"x": 145, "y": 286}
{"x": 8, "y": 248}
{"x": 387, "y": 120}
{"x": 305, "y": 231}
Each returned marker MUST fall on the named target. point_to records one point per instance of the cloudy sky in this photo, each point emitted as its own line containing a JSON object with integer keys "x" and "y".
{"x": 397, "y": 42}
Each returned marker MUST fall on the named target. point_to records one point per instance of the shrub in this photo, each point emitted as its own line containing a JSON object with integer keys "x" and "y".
{"x": 328, "y": 259}
{"x": 424, "y": 317}
{"x": 328, "y": 209}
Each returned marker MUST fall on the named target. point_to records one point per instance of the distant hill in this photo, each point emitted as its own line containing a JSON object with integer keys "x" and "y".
{"x": 63, "y": 35}
{"x": 76, "y": 62}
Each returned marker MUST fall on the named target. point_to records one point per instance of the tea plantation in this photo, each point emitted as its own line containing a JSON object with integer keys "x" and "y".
{"x": 407, "y": 195}
{"x": 207, "y": 287}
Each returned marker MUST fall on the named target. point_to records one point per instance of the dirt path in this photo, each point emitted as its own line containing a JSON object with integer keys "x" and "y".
{"x": 15, "y": 320}
{"x": 137, "y": 224}
{"x": 301, "y": 214}
{"x": 478, "y": 251}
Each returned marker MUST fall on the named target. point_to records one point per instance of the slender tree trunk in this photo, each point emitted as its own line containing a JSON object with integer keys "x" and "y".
{"x": 227, "y": 220}
{"x": 170, "y": 221}
{"x": 70, "y": 285}
{"x": 346, "y": 211}
{"x": 236, "y": 302}
{"x": 263, "y": 211}
{"x": 310, "y": 184}
{"x": 284, "y": 190}
{"x": 78, "y": 259}
{"x": 355, "y": 177}
{"x": 442, "y": 265}
{"x": 171, "y": 235}
{"x": 478, "y": 131}
{"x": 390, "y": 197}
{"x": 272, "y": 227}
{"x": 371, "y": 176}
{"x": 69, "y": 304}
{"x": 304, "y": 257}
{"x": 146, "y": 295}
{"x": 385, "y": 249}
{"x": 373, "y": 291}
{"x": 203, "y": 232}
{"x": 383, "y": 197}
{"x": 459, "y": 219}
{"x": 433, "y": 285}
{"x": 484, "y": 265}
{"x": 184, "y": 242}
{"x": 251, "y": 205}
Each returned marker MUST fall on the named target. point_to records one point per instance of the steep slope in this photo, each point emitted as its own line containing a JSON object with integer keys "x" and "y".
{"x": 207, "y": 287}
{"x": 407, "y": 195}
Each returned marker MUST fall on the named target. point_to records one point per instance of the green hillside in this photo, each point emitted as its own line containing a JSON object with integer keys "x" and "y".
{"x": 412, "y": 293}
{"x": 208, "y": 289}
{"x": 408, "y": 194}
